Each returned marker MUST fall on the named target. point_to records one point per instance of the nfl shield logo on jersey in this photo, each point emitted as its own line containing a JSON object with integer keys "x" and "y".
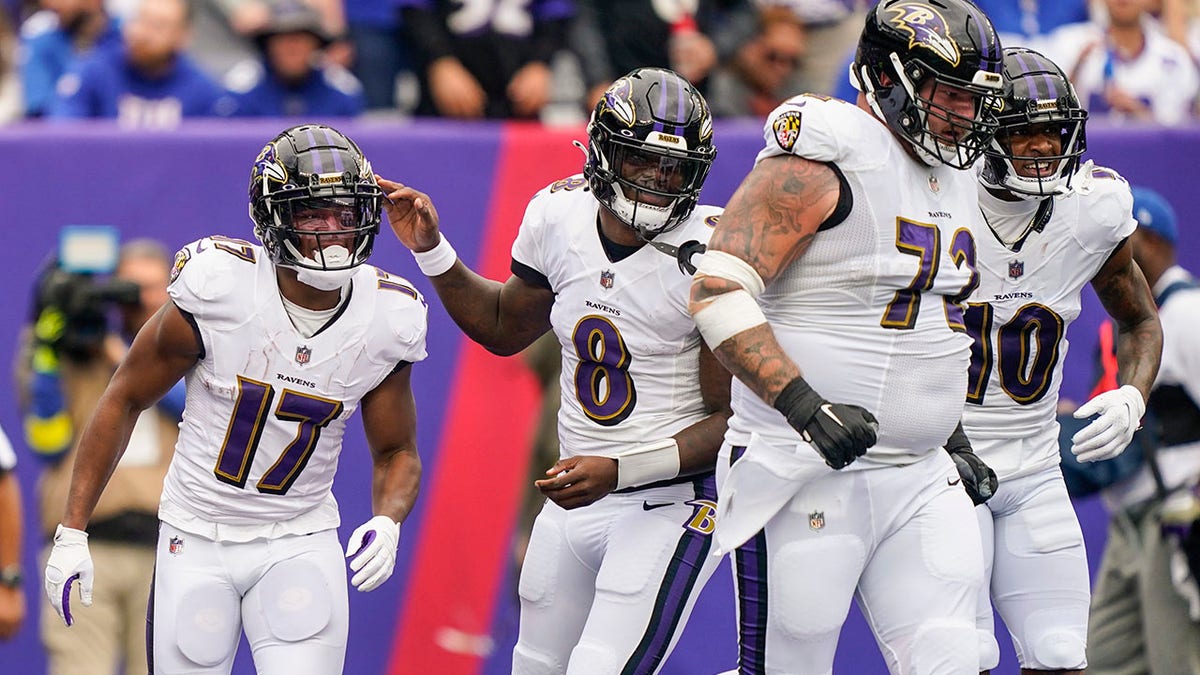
{"x": 175, "y": 547}
{"x": 606, "y": 278}
{"x": 303, "y": 354}
{"x": 1016, "y": 268}
{"x": 816, "y": 520}
{"x": 933, "y": 184}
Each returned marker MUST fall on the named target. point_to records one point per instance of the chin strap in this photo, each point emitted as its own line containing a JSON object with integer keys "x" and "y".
{"x": 682, "y": 254}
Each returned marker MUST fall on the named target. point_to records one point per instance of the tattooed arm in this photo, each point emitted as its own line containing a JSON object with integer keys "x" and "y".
{"x": 768, "y": 223}
{"x": 1126, "y": 296}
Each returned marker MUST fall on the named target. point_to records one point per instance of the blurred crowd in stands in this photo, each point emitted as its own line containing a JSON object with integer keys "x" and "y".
{"x": 150, "y": 63}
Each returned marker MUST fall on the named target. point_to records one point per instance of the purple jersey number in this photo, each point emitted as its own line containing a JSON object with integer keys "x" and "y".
{"x": 312, "y": 413}
{"x": 602, "y": 382}
{"x": 1025, "y": 350}
{"x": 924, "y": 241}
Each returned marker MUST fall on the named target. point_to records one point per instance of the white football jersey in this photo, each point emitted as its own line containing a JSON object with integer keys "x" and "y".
{"x": 869, "y": 312}
{"x": 267, "y": 407}
{"x": 1020, "y": 313}
{"x": 629, "y": 346}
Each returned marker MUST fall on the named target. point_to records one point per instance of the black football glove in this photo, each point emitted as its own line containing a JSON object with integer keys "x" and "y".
{"x": 840, "y": 432}
{"x": 977, "y": 477}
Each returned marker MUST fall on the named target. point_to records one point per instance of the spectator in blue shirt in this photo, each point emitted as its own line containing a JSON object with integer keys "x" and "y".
{"x": 293, "y": 79}
{"x": 1026, "y": 23}
{"x": 380, "y": 52}
{"x": 147, "y": 82}
{"x": 52, "y": 40}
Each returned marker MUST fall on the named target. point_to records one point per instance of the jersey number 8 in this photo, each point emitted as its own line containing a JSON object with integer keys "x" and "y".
{"x": 603, "y": 385}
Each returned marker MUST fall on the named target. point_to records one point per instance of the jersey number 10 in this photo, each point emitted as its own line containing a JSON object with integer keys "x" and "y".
{"x": 1025, "y": 349}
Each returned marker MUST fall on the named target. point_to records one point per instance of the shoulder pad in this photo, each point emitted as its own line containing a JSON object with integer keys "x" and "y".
{"x": 1106, "y": 205}
{"x": 404, "y": 314}
{"x": 210, "y": 269}
{"x": 811, "y": 126}
{"x": 559, "y": 196}
{"x": 568, "y": 184}
{"x": 703, "y": 220}
{"x": 1092, "y": 177}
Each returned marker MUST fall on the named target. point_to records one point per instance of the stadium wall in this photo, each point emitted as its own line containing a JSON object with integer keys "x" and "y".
{"x": 450, "y": 607}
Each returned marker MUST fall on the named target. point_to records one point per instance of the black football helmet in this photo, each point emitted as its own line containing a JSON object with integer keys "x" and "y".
{"x": 1036, "y": 93}
{"x": 904, "y": 44}
{"x": 307, "y": 168}
{"x": 649, "y": 150}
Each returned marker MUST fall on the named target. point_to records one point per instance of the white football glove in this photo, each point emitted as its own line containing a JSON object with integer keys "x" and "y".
{"x": 372, "y": 552}
{"x": 1120, "y": 413}
{"x": 69, "y": 560}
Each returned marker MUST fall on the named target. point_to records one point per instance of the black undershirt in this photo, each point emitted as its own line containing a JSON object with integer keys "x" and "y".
{"x": 614, "y": 251}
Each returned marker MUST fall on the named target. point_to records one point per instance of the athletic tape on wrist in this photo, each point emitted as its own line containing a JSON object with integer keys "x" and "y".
{"x": 648, "y": 463}
{"x": 437, "y": 260}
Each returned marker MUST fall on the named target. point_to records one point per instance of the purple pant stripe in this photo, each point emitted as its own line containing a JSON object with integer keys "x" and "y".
{"x": 750, "y": 561}
{"x": 750, "y": 567}
{"x": 678, "y": 584}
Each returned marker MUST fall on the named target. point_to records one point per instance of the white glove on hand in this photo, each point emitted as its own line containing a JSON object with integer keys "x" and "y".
{"x": 372, "y": 552}
{"x": 69, "y": 560}
{"x": 1120, "y": 413}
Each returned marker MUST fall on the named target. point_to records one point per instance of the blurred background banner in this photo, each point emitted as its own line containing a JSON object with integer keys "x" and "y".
{"x": 450, "y": 608}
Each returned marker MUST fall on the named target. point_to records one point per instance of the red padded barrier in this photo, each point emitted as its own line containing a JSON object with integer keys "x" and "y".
{"x": 482, "y": 468}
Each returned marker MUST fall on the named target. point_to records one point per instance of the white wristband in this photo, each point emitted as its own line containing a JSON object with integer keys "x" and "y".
{"x": 648, "y": 463}
{"x": 437, "y": 260}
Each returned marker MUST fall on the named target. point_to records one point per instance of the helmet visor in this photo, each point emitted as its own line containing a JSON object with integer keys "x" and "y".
{"x": 959, "y": 122}
{"x": 329, "y": 232}
{"x": 657, "y": 176}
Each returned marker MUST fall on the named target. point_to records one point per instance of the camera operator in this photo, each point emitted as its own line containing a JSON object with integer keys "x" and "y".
{"x": 68, "y": 356}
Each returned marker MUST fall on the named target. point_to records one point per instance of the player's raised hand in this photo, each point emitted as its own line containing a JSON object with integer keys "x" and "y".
{"x": 411, "y": 214}
{"x": 579, "y": 481}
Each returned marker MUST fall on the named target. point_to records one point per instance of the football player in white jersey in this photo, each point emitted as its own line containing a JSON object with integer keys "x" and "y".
{"x": 1053, "y": 226}
{"x": 622, "y": 546}
{"x": 280, "y": 344}
{"x": 831, "y": 289}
